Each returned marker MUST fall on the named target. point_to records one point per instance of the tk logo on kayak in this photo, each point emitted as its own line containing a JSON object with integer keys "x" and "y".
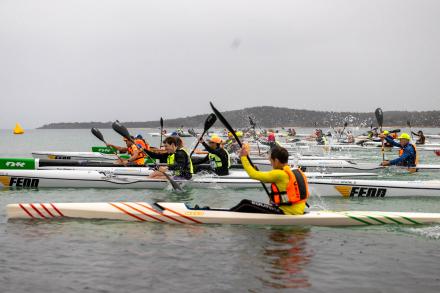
{"x": 353, "y": 191}
{"x": 15, "y": 164}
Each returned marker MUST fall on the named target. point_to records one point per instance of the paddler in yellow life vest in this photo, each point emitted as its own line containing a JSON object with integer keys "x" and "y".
{"x": 230, "y": 145}
{"x": 289, "y": 188}
{"x": 218, "y": 157}
{"x": 177, "y": 158}
{"x": 408, "y": 156}
{"x": 137, "y": 157}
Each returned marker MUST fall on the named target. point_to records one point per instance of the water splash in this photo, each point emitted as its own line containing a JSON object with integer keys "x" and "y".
{"x": 430, "y": 232}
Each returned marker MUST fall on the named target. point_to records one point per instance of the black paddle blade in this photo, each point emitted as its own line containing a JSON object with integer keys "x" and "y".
{"x": 161, "y": 122}
{"x": 345, "y": 124}
{"x": 97, "y": 133}
{"x": 408, "y": 123}
{"x": 225, "y": 123}
{"x": 379, "y": 116}
{"x": 251, "y": 122}
{"x": 395, "y": 130}
{"x": 121, "y": 129}
{"x": 210, "y": 120}
{"x": 174, "y": 184}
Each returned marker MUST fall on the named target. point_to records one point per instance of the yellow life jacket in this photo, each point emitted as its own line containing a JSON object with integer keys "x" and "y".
{"x": 171, "y": 159}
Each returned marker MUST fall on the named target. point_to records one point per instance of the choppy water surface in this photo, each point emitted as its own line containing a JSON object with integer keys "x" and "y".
{"x": 109, "y": 256}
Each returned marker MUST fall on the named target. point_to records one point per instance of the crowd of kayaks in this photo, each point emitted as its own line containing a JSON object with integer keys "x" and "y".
{"x": 328, "y": 175}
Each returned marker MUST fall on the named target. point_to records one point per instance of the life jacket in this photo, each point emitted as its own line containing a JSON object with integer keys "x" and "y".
{"x": 297, "y": 190}
{"x": 216, "y": 161}
{"x": 141, "y": 144}
{"x": 416, "y": 160}
{"x": 171, "y": 161}
{"x": 141, "y": 156}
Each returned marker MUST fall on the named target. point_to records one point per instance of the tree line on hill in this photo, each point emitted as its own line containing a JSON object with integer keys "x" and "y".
{"x": 267, "y": 116}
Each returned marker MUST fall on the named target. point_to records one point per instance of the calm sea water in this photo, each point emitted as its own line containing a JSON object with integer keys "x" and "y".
{"x": 104, "y": 256}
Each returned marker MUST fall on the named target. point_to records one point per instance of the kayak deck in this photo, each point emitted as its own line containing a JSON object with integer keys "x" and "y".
{"x": 180, "y": 213}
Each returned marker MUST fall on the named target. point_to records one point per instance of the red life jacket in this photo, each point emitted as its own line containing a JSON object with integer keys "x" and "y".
{"x": 297, "y": 190}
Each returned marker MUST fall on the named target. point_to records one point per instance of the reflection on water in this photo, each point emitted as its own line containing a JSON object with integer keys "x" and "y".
{"x": 286, "y": 254}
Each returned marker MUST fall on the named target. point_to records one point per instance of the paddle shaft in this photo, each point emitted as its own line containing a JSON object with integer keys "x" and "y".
{"x": 161, "y": 131}
{"x": 230, "y": 129}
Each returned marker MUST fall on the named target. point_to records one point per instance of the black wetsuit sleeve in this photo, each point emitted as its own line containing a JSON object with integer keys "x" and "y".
{"x": 217, "y": 151}
{"x": 157, "y": 155}
{"x": 198, "y": 161}
{"x": 413, "y": 133}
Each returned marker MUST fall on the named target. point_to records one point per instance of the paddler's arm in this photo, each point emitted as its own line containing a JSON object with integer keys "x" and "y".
{"x": 267, "y": 177}
{"x": 198, "y": 160}
{"x": 118, "y": 148}
{"x": 409, "y": 152}
{"x": 155, "y": 155}
{"x": 217, "y": 151}
{"x": 392, "y": 142}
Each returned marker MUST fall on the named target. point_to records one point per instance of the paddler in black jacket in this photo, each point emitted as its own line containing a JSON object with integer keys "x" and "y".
{"x": 177, "y": 159}
{"x": 217, "y": 157}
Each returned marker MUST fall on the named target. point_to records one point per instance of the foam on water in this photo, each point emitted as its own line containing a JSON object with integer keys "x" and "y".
{"x": 430, "y": 232}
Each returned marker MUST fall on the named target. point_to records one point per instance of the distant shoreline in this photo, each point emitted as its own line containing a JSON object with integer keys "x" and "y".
{"x": 278, "y": 117}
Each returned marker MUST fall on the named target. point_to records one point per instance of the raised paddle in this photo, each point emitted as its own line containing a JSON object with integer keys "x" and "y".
{"x": 379, "y": 118}
{"x": 161, "y": 131}
{"x": 343, "y": 129}
{"x": 230, "y": 129}
{"x": 99, "y": 136}
{"x": 410, "y": 130}
{"x": 210, "y": 120}
{"x": 123, "y": 131}
{"x": 253, "y": 125}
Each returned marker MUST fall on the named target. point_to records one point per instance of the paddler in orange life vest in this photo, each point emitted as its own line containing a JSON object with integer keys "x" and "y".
{"x": 137, "y": 157}
{"x": 407, "y": 154}
{"x": 289, "y": 189}
{"x": 141, "y": 143}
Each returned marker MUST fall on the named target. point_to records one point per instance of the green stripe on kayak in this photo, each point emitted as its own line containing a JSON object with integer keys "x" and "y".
{"x": 103, "y": 149}
{"x": 377, "y": 220}
{"x": 394, "y": 220}
{"x": 17, "y": 163}
{"x": 359, "y": 220}
{"x": 111, "y": 151}
{"x": 411, "y": 220}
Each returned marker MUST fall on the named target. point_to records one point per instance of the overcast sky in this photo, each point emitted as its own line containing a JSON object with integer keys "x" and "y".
{"x": 100, "y": 60}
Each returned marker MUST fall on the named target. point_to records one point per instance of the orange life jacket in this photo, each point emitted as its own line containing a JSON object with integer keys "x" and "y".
{"x": 140, "y": 160}
{"x": 142, "y": 144}
{"x": 415, "y": 149}
{"x": 297, "y": 190}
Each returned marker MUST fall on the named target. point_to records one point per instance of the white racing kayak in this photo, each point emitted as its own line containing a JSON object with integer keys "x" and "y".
{"x": 111, "y": 179}
{"x": 347, "y": 166}
{"x": 100, "y": 157}
{"x": 180, "y": 213}
{"x": 80, "y": 156}
{"x": 373, "y": 188}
